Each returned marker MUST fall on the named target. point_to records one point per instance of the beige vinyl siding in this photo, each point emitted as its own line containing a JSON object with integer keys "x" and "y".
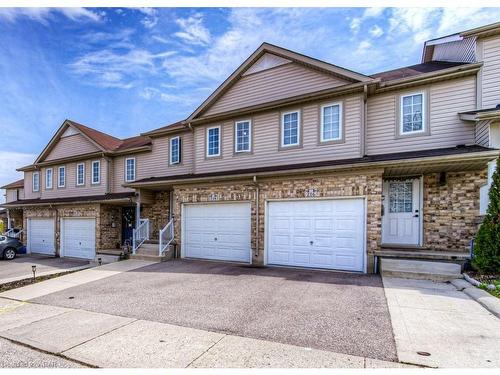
{"x": 446, "y": 129}
{"x": 156, "y": 162}
{"x": 482, "y": 133}
{"x": 266, "y": 140}
{"x": 491, "y": 72}
{"x": 273, "y": 84}
{"x": 12, "y": 195}
{"x": 28, "y": 186}
{"x": 71, "y": 145}
{"x": 71, "y": 190}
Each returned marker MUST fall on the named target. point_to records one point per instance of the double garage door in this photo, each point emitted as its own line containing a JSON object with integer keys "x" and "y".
{"x": 302, "y": 233}
{"x": 77, "y": 237}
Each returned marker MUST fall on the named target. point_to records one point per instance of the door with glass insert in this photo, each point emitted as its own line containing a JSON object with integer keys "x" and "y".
{"x": 401, "y": 212}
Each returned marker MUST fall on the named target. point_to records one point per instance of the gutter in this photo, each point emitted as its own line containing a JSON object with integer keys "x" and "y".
{"x": 50, "y": 204}
{"x": 368, "y": 164}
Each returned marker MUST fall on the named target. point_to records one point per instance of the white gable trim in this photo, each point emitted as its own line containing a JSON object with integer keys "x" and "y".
{"x": 70, "y": 131}
{"x": 267, "y": 61}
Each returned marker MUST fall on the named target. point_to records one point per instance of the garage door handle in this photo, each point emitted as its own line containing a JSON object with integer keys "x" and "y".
{"x": 215, "y": 239}
{"x": 311, "y": 242}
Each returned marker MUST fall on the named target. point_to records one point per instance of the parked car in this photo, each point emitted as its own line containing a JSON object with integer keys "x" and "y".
{"x": 10, "y": 247}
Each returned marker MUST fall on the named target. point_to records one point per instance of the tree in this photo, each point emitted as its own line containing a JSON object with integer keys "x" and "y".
{"x": 487, "y": 244}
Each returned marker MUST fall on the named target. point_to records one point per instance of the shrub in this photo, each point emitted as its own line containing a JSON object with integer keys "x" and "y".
{"x": 487, "y": 244}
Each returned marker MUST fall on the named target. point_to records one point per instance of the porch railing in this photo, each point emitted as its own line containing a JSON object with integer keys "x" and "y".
{"x": 140, "y": 234}
{"x": 13, "y": 234}
{"x": 166, "y": 237}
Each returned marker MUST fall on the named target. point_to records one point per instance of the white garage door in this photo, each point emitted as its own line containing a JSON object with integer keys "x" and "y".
{"x": 78, "y": 238}
{"x": 41, "y": 236}
{"x": 219, "y": 231}
{"x": 316, "y": 233}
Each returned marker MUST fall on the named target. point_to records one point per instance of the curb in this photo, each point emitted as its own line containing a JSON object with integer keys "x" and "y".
{"x": 46, "y": 273}
{"x": 490, "y": 303}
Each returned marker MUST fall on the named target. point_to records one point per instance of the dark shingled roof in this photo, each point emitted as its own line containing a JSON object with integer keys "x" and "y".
{"x": 14, "y": 185}
{"x": 415, "y": 70}
{"x": 89, "y": 198}
{"x": 179, "y": 125}
{"x": 329, "y": 163}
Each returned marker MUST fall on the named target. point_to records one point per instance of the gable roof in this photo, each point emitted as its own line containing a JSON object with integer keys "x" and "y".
{"x": 103, "y": 141}
{"x": 264, "y": 48}
{"x": 14, "y": 185}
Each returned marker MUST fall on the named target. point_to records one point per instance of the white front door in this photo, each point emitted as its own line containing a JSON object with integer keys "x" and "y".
{"x": 78, "y": 238}
{"x": 41, "y": 236}
{"x": 218, "y": 231}
{"x": 316, "y": 233}
{"x": 401, "y": 215}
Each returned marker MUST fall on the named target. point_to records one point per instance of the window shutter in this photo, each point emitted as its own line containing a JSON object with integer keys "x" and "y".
{"x": 180, "y": 150}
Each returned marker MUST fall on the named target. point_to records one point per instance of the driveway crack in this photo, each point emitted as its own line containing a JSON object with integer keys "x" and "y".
{"x": 206, "y": 351}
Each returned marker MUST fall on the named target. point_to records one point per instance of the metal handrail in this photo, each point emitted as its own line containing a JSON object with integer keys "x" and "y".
{"x": 166, "y": 237}
{"x": 10, "y": 233}
{"x": 140, "y": 234}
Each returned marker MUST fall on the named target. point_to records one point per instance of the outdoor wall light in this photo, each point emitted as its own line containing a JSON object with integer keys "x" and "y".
{"x": 33, "y": 269}
{"x": 99, "y": 261}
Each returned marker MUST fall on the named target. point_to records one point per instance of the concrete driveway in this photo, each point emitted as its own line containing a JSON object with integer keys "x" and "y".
{"x": 20, "y": 267}
{"x": 339, "y": 312}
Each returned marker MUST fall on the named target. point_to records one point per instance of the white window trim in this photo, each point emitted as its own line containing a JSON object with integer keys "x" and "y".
{"x": 178, "y": 148}
{"x": 341, "y": 125}
{"x": 47, "y": 186}
{"x": 38, "y": 181}
{"x": 59, "y": 177}
{"x": 249, "y": 136}
{"x": 282, "y": 140}
{"x": 126, "y": 179}
{"x": 83, "y": 172}
{"x": 207, "y": 136}
{"x": 424, "y": 113}
{"x": 92, "y": 174}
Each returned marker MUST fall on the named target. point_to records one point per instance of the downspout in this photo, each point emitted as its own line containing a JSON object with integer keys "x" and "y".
{"x": 108, "y": 173}
{"x": 257, "y": 200}
{"x": 363, "y": 122}
{"x": 193, "y": 149}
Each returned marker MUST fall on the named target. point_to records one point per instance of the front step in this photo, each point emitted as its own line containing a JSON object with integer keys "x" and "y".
{"x": 149, "y": 252}
{"x": 420, "y": 269}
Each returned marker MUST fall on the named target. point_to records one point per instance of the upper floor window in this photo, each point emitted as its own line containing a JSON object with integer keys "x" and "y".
{"x": 96, "y": 172}
{"x": 290, "y": 129}
{"x": 412, "y": 113}
{"x": 213, "y": 141}
{"x": 175, "y": 150}
{"x": 331, "y": 122}
{"x": 48, "y": 178}
{"x": 36, "y": 181}
{"x": 242, "y": 133}
{"x": 61, "y": 179}
{"x": 129, "y": 169}
{"x": 80, "y": 174}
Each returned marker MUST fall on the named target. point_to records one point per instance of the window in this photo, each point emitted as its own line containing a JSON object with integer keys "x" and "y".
{"x": 290, "y": 129}
{"x": 412, "y": 113}
{"x": 36, "y": 181}
{"x": 61, "y": 181}
{"x": 331, "y": 122}
{"x": 129, "y": 169}
{"x": 96, "y": 172}
{"x": 48, "y": 178}
{"x": 80, "y": 174}
{"x": 175, "y": 150}
{"x": 242, "y": 133}
{"x": 401, "y": 196}
{"x": 213, "y": 141}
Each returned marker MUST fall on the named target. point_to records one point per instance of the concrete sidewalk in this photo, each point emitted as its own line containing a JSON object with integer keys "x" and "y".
{"x": 446, "y": 326}
{"x": 104, "y": 340}
{"x": 68, "y": 281}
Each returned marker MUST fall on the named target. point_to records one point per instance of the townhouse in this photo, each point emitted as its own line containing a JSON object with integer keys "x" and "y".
{"x": 292, "y": 161}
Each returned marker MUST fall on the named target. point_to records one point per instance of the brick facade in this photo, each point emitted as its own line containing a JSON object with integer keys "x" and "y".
{"x": 157, "y": 213}
{"x": 367, "y": 184}
{"x": 451, "y": 210}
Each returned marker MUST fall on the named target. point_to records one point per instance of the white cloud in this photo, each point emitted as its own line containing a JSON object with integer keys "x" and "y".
{"x": 9, "y": 161}
{"x": 192, "y": 30}
{"x": 376, "y": 31}
{"x": 44, "y": 15}
{"x": 151, "y": 18}
{"x": 356, "y": 22}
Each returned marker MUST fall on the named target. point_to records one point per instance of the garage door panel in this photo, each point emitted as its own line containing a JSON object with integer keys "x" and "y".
{"x": 218, "y": 231}
{"x": 78, "y": 237}
{"x": 318, "y": 233}
{"x": 41, "y": 236}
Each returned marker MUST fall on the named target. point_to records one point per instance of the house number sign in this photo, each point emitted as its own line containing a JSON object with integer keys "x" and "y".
{"x": 213, "y": 197}
{"x": 313, "y": 192}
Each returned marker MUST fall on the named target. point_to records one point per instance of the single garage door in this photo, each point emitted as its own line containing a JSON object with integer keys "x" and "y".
{"x": 316, "y": 233}
{"x": 78, "y": 238}
{"x": 219, "y": 231}
{"x": 41, "y": 236}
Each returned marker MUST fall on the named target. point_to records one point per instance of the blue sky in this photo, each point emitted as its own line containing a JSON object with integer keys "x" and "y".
{"x": 125, "y": 71}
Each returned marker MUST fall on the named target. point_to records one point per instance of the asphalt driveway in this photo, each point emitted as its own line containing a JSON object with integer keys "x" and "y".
{"x": 339, "y": 312}
{"x": 20, "y": 267}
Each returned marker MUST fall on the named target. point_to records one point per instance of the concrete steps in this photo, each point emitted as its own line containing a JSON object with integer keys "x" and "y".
{"x": 420, "y": 269}
{"x": 149, "y": 252}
